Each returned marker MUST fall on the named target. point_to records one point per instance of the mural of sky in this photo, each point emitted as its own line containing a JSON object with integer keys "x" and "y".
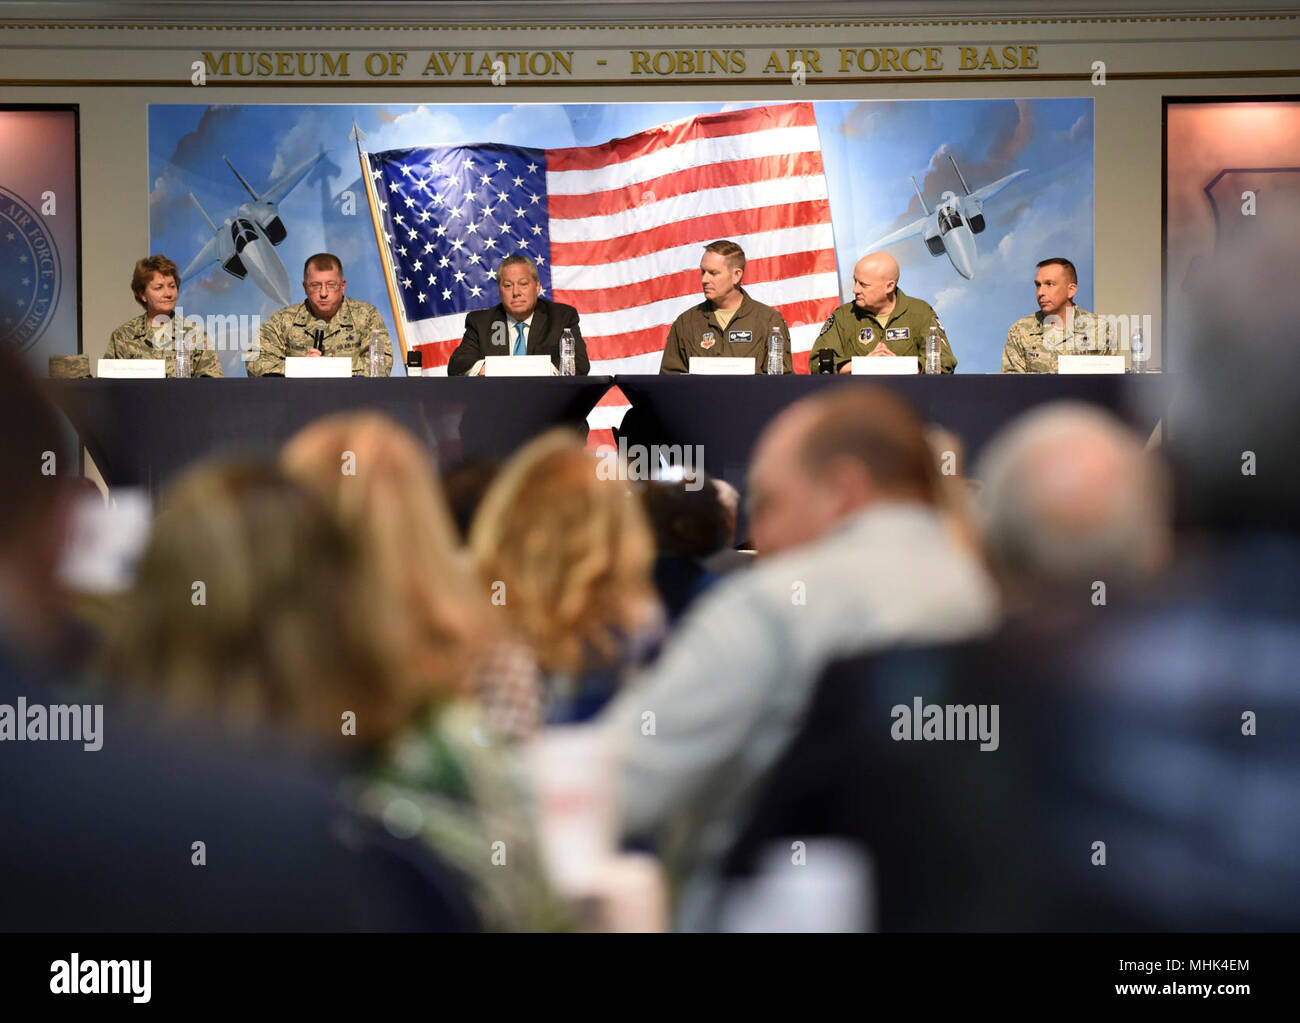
{"x": 869, "y": 148}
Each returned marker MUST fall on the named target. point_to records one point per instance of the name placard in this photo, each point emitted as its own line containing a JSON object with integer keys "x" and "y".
{"x": 132, "y": 369}
{"x": 884, "y": 366}
{"x": 721, "y": 366}
{"x": 518, "y": 366}
{"x": 1068, "y": 364}
{"x": 317, "y": 366}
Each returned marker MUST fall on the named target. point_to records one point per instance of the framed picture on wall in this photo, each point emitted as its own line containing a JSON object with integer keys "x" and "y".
{"x": 40, "y": 232}
{"x": 1231, "y": 193}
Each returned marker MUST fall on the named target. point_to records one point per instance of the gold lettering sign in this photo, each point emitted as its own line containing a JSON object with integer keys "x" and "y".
{"x": 511, "y": 65}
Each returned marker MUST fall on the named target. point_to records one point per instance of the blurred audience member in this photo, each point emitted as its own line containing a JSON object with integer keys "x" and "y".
{"x": 856, "y": 556}
{"x": 465, "y": 484}
{"x": 567, "y": 558}
{"x": 427, "y": 616}
{"x": 417, "y": 587}
{"x": 727, "y": 558}
{"x": 129, "y": 829}
{"x": 1069, "y": 499}
{"x": 954, "y": 489}
{"x": 689, "y": 524}
{"x": 1147, "y": 775}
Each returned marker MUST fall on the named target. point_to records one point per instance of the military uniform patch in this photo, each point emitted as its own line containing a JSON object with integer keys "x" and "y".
{"x": 898, "y": 333}
{"x": 708, "y": 340}
{"x": 740, "y": 337}
{"x": 864, "y": 335}
{"x": 830, "y": 322}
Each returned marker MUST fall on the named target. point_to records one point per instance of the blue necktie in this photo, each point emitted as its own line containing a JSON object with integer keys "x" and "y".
{"x": 521, "y": 344}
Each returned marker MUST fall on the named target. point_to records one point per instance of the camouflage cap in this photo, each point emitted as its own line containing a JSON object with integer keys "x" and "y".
{"x": 69, "y": 367}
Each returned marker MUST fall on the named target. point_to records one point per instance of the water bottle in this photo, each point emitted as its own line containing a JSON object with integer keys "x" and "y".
{"x": 933, "y": 350}
{"x": 775, "y": 352}
{"x": 376, "y": 354}
{"x": 568, "y": 354}
{"x": 1138, "y": 345}
{"x": 181, "y": 342}
{"x": 414, "y": 363}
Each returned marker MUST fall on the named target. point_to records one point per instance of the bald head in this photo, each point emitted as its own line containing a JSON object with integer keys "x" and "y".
{"x": 1069, "y": 498}
{"x": 875, "y": 279}
{"x": 828, "y": 457}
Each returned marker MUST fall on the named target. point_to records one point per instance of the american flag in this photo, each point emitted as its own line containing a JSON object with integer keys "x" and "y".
{"x": 616, "y": 230}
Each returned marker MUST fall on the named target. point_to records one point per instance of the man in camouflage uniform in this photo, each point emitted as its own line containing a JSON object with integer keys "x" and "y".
{"x": 1058, "y": 328}
{"x": 345, "y": 325}
{"x": 880, "y": 321}
{"x": 728, "y": 322}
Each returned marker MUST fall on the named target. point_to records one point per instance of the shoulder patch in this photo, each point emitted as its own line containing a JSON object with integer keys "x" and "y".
{"x": 830, "y": 321}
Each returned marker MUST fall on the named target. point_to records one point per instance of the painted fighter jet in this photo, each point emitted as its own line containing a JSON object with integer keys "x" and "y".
{"x": 245, "y": 242}
{"x": 953, "y": 224}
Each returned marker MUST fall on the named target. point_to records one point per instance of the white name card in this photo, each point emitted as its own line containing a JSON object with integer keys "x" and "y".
{"x": 722, "y": 366}
{"x": 885, "y": 366}
{"x": 133, "y": 369}
{"x": 1090, "y": 364}
{"x": 518, "y": 366}
{"x": 318, "y": 366}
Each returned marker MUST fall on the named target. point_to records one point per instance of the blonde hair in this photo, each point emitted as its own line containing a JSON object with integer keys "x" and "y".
{"x": 573, "y": 552}
{"x": 416, "y": 582}
{"x": 243, "y": 609}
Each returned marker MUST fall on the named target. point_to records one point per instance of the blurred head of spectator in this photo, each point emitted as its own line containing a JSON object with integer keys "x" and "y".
{"x": 1069, "y": 497}
{"x": 829, "y": 457}
{"x": 685, "y": 520}
{"x": 729, "y": 498}
{"x": 466, "y": 483}
{"x": 34, "y": 512}
{"x": 567, "y": 555}
{"x": 416, "y": 587}
{"x": 690, "y": 525}
{"x": 953, "y": 488}
{"x": 244, "y": 611}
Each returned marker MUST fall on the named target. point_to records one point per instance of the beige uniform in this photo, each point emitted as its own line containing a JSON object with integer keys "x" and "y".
{"x": 139, "y": 339}
{"x": 1032, "y": 347}
{"x": 292, "y": 332}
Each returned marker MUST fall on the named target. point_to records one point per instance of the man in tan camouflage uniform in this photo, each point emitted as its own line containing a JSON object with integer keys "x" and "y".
{"x": 328, "y": 324}
{"x": 155, "y": 284}
{"x": 1058, "y": 328}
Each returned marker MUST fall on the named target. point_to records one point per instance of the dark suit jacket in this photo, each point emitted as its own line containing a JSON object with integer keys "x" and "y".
{"x": 549, "y": 321}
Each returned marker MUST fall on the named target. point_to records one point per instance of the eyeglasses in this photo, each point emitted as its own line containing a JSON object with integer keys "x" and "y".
{"x": 328, "y": 287}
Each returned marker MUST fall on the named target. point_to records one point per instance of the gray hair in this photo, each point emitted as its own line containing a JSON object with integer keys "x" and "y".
{"x": 1070, "y": 496}
{"x": 518, "y": 259}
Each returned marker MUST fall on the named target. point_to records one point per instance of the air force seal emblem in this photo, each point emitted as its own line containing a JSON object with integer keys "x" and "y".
{"x": 30, "y": 278}
{"x": 864, "y": 335}
{"x": 708, "y": 341}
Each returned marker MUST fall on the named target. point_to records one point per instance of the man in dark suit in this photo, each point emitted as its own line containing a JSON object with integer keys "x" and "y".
{"x": 522, "y": 323}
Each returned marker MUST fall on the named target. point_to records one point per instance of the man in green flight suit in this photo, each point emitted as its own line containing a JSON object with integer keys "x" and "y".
{"x": 328, "y": 324}
{"x": 1058, "y": 328}
{"x": 880, "y": 321}
{"x": 728, "y": 322}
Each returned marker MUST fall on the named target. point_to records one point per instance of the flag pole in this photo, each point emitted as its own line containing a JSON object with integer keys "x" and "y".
{"x": 399, "y": 320}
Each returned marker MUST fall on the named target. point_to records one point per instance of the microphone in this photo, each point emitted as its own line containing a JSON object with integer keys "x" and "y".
{"x": 318, "y": 334}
